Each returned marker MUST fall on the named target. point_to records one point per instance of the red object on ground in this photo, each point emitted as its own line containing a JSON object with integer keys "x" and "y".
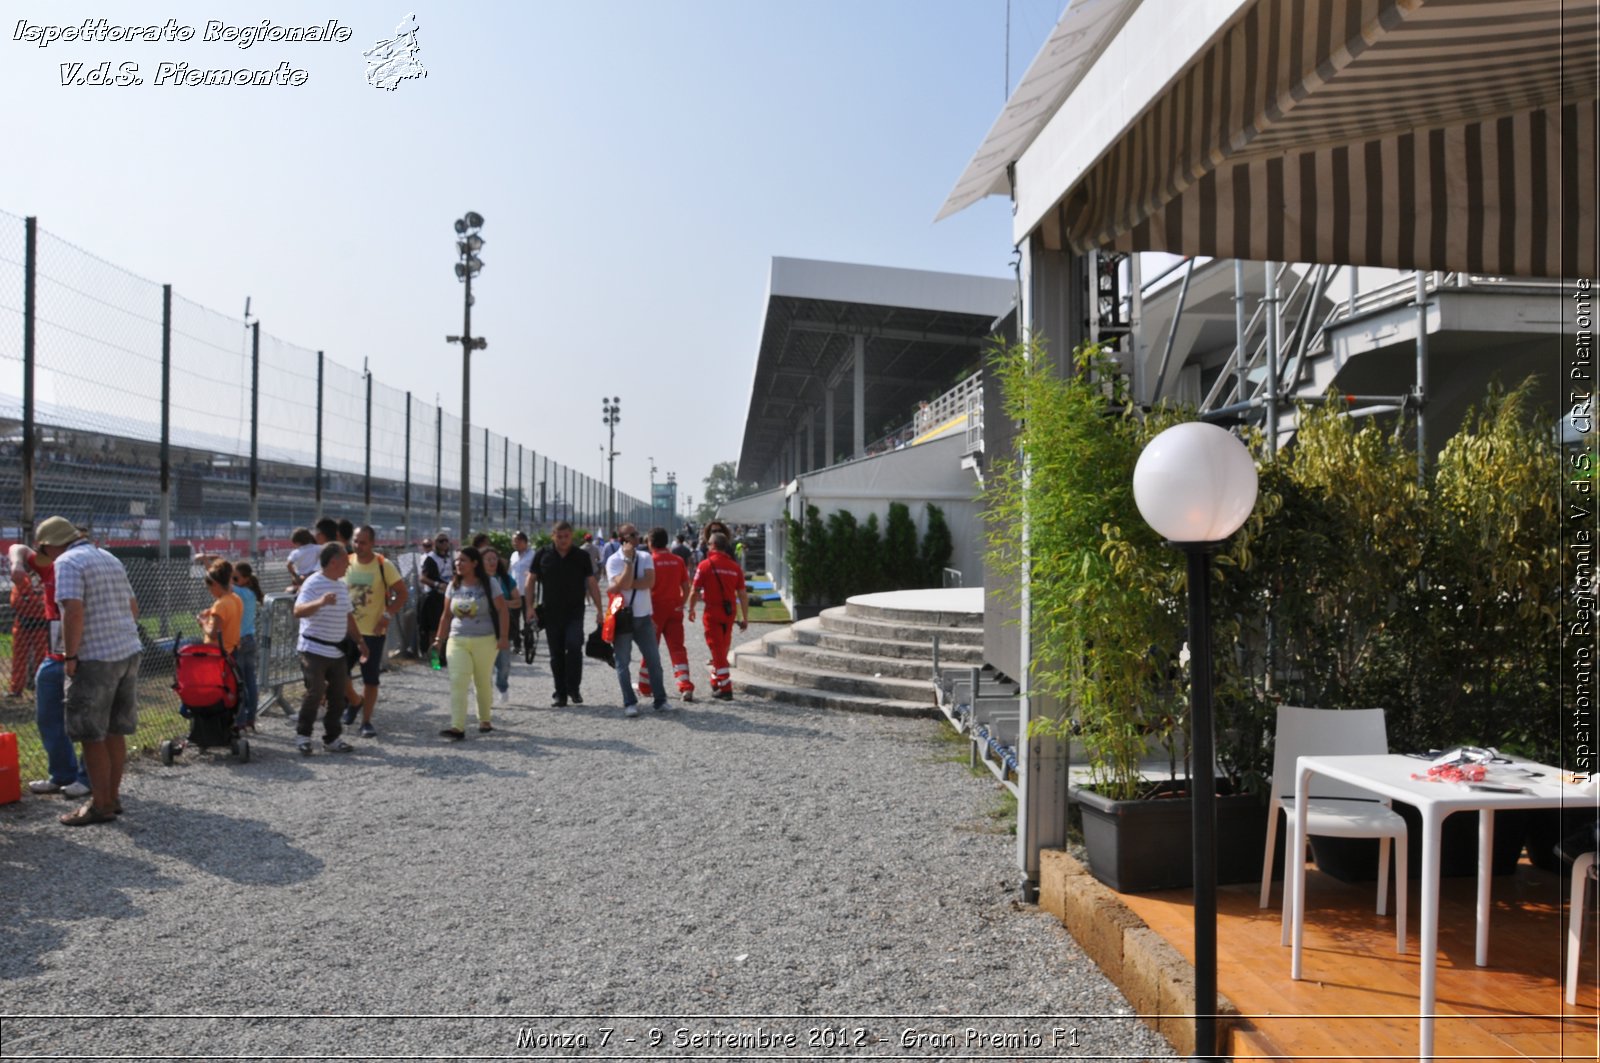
{"x": 10, "y": 769}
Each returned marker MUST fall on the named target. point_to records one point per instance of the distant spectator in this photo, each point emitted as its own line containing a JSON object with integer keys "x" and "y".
{"x": 347, "y": 535}
{"x": 221, "y": 622}
{"x": 683, "y": 550}
{"x": 248, "y": 588}
{"x": 30, "y": 627}
{"x": 434, "y": 574}
{"x": 303, "y": 558}
{"x": 69, "y": 773}
{"x": 508, "y": 590}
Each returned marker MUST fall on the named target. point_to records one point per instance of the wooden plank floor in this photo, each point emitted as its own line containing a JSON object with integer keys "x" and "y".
{"x": 1358, "y": 999}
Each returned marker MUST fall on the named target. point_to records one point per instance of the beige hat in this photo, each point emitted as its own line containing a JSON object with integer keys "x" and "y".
{"x": 57, "y": 531}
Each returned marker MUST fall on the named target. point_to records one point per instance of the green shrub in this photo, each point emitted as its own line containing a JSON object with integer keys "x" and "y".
{"x": 937, "y": 546}
{"x": 902, "y": 566}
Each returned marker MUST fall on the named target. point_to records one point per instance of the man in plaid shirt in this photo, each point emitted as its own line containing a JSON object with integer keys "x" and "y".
{"x": 100, "y": 645}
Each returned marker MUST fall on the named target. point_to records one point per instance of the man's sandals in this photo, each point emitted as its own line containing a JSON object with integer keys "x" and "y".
{"x": 87, "y": 814}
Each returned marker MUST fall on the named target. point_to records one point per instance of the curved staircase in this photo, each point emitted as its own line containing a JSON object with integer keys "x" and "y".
{"x": 874, "y": 654}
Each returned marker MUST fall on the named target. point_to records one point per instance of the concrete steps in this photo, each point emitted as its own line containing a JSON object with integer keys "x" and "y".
{"x": 873, "y": 655}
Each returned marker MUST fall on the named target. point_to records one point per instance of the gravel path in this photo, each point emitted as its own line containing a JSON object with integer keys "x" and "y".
{"x": 686, "y": 873}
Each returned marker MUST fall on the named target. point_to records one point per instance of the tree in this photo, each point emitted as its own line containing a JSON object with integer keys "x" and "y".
{"x": 723, "y": 485}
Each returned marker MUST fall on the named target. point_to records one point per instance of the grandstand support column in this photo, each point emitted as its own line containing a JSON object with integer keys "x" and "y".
{"x": 827, "y": 428}
{"x": 165, "y": 528}
{"x": 800, "y": 455}
{"x": 366, "y": 518}
{"x": 316, "y": 510}
{"x": 30, "y": 273}
{"x": 811, "y": 440}
{"x": 255, "y": 442}
{"x": 1274, "y": 322}
{"x": 858, "y": 406}
{"x": 1238, "y": 332}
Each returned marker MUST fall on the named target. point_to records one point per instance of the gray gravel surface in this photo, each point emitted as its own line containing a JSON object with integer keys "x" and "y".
{"x": 722, "y": 870}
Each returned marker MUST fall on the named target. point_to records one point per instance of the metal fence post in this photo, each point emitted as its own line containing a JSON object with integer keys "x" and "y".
{"x": 485, "y": 476}
{"x": 255, "y": 433}
{"x": 366, "y": 371}
{"x": 438, "y": 468}
{"x": 405, "y": 519}
{"x": 165, "y": 532}
{"x": 505, "y": 478}
{"x": 317, "y": 487}
{"x": 30, "y": 272}
{"x": 520, "y": 498}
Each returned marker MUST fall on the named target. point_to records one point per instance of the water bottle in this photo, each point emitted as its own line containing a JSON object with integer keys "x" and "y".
{"x": 436, "y": 658}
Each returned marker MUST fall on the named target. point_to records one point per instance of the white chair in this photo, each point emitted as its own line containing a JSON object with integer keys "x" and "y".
{"x": 1338, "y": 809}
{"x": 1583, "y": 870}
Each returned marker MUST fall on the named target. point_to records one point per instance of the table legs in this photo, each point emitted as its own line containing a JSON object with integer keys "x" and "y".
{"x": 1485, "y": 880}
{"x": 1429, "y": 959}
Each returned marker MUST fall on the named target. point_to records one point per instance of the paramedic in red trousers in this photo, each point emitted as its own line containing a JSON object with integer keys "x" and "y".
{"x": 69, "y": 774}
{"x": 323, "y": 609}
{"x": 631, "y": 574}
{"x": 101, "y": 648}
{"x": 667, "y": 599}
{"x": 719, "y": 583}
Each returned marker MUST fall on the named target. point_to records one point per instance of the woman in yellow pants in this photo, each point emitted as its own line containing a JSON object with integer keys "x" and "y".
{"x": 476, "y": 622}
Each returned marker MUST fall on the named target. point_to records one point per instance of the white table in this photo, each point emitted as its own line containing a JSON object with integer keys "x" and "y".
{"x": 1389, "y": 775}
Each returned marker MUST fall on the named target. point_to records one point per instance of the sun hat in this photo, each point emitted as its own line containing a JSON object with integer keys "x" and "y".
{"x": 56, "y": 531}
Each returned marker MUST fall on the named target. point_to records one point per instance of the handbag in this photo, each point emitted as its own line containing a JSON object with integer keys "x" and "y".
{"x": 597, "y": 647}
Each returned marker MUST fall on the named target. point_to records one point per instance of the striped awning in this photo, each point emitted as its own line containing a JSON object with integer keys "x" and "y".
{"x": 1433, "y": 134}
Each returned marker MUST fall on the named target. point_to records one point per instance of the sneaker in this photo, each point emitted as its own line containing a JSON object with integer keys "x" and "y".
{"x": 723, "y": 695}
{"x": 75, "y": 789}
{"x": 630, "y": 710}
{"x": 43, "y": 786}
{"x": 577, "y": 698}
{"x": 368, "y": 731}
{"x": 350, "y": 716}
{"x": 338, "y": 745}
{"x": 665, "y": 706}
{"x": 502, "y": 698}
{"x": 304, "y": 745}
{"x": 688, "y": 696}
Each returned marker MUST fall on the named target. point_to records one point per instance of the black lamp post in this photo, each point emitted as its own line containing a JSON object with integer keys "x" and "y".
{"x": 612, "y": 413}
{"x": 1195, "y": 484}
{"x": 469, "y": 266}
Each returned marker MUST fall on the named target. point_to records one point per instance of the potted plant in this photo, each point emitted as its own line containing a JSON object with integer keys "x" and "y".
{"x": 1107, "y": 615}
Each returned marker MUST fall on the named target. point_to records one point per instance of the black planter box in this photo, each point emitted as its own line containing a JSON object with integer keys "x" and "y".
{"x": 1147, "y": 844}
{"x": 1356, "y": 859}
{"x": 806, "y": 612}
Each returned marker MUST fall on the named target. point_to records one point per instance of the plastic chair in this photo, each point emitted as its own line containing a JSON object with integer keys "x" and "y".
{"x": 1583, "y": 869}
{"x": 1338, "y": 809}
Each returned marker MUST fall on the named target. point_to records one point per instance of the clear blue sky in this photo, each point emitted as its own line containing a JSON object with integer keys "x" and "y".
{"x": 638, "y": 165}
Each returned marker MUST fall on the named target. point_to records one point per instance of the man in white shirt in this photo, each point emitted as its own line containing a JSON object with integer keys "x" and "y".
{"x": 630, "y": 574}
{"x": 521, "y": 561}
{"x": 323, "y": 609}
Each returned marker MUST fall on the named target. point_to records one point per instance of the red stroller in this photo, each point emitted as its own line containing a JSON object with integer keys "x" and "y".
{"x": 207, "y": 682}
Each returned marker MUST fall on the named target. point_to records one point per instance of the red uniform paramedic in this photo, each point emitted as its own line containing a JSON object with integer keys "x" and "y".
{"x": 719, "y": 583}
{"x": 671, "y": 590}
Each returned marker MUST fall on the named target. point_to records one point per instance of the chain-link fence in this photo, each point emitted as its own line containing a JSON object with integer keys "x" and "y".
{"x": 170, "y": 431}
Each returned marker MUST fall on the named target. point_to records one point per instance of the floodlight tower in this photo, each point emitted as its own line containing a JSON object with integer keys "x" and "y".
{"x": 468, "y": 267}
{"x": 611, "y": 411}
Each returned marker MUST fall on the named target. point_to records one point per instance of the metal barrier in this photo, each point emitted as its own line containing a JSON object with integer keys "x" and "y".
{"x": 278, "y": 662}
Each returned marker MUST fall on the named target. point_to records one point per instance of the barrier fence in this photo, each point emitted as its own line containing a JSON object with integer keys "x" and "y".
{"x": 168, "y": 430}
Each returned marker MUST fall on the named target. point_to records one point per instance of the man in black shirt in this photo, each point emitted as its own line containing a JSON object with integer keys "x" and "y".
{"x": 567, "y": 576}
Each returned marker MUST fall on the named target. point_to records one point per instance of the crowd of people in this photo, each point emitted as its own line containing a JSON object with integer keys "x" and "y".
{"x": 475, "y": 605}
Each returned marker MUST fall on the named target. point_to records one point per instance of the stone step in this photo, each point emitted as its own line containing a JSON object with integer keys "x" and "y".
{"x": 754, "y": 663}
{"x": 812, "y": 697}
{"x": 812, "y": 633}
{"x": 839, "y": 621}
{"x": 922, "y": 617}
{"x": 820, "y": 658}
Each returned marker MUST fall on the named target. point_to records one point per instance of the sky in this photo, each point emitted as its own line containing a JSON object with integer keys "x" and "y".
{"x": 638, "y": 165}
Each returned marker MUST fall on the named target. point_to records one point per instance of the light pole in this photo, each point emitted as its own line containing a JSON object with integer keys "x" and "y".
{"x": 672, "y": 495}
{"x": 469, "y": 266}
{"x": 1195, "y": 484}
{"x": 611, "y": 409}
{"x": 652, "y": 461}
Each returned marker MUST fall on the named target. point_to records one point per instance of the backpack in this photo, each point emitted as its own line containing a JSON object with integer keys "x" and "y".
{"x": 205, "y": 677}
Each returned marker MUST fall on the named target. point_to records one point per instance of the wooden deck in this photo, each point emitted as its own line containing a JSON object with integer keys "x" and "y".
{"x": 1358, "y": 999}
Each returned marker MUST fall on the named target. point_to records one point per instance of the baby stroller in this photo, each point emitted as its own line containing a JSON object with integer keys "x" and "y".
{"x": 207, "y": 682}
